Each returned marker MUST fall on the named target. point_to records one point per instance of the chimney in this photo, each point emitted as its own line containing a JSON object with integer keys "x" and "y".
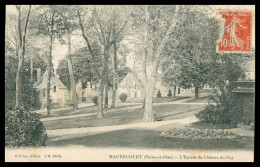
{"x": 38, "y": 75}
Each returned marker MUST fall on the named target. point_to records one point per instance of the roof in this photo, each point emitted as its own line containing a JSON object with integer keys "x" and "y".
{"x": 244, "y": 90}
{"x": 55, "y": 81}
{"x": 130, "y": 80}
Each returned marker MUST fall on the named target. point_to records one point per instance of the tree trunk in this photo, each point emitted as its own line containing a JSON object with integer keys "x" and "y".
{"x": 31, "y": 68}
{"x": 143, "y": 106}
{"x": 48, "y": 100}
{"x": 48, "y": 105}
{"x": 101, "y": 83}
{"x": 21, "y": 53}
{"x": 149, "y": 114}
{"x": 18, "y": 79}
{"x": 72, "y": 80}
{"x": 196, "y": 92}
{"x": 106, "y": 88}
{"x": 174, "y": 91}
{"x": 100, "y": 99}
{"x": 31, "y": 80}
{"x": 113, "y": 105}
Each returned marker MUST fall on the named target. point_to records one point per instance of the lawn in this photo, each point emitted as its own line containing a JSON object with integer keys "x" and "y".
{"x": 131, "y": 138}
{"x": 203, "y": 99}
{"x": 141, "y": 138}
{"x": 125, "y": 116}
{"x": 160, "y": 99}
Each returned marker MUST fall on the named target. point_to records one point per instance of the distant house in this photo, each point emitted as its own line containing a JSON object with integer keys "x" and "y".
{"x": 58, "y": 91}
{"x": 131, "y": 86}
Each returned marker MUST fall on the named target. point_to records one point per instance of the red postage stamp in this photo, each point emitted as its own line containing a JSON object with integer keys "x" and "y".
{"x": 236, "y": 32}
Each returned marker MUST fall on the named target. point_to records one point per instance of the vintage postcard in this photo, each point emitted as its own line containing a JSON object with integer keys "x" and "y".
{"x": 129, "y": 83}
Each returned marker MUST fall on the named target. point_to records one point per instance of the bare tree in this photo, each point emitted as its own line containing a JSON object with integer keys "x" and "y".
{"x": 21, "y": 51}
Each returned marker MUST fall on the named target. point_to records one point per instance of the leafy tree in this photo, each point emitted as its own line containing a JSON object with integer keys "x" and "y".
{"x": 11, "y": 64}
{"x": 225, "y": 68}
{"x": 49, "y": 23}
{"x": 68, "y": 21}
{"x": 190, "y": 51}
{"x": 84, "y": 67}
{"x": 193, "y": 61}
{"x": 103, "y": 20}
{"x": 28, "y": 72}
{"x": 154, "y": 26}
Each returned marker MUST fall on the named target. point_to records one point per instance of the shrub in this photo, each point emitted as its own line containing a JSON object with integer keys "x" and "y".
{"x": 123, "y": 97}
{"x": 95, "y": 100}
{"x": 106, "y": 100}
{"x": 235, "y": 109}
{"x": 158, "y": 94}
{"x": 23, "y": 128}
{"x": 169, "y": 93}
{"x": 214, "y": 114}
{"x": 9, "y": 95}
{"x": 84, "y": 99}
{"x": 192, "y": 133}
{"x": 227, "y": 110}
{"x": 36, "y": 100}
{"x": 27, "y": 99}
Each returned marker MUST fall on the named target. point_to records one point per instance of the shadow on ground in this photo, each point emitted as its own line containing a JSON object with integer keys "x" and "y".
{"x": 121, "y": 117}
{"x": 151, "y": 139}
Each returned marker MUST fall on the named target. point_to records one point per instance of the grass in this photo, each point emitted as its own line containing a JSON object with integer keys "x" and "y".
{"x": 83, "y": 110}
{"x": 140, "y": 138}
{"x": 71, "y": 111}
{"x": 94, "y": 108}
{"x": 125, "y": 116}
{"x": 151, "y": 139}
{"x": 204, "y": 99}
{"x": 161, "y": 99}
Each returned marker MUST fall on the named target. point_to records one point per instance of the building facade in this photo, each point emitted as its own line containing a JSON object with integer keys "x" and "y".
{"x": 131, "y": 86}
{"x": 59, "y": 94}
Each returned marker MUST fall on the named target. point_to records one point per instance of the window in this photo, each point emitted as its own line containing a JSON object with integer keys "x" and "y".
{"x": 128, "y": 92}
{"x": 54, "y": 89}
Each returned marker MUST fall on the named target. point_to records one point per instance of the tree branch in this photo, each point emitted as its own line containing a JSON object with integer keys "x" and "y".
{"x": 147, "y": 14}
{"x": 25, "y": 27}
{"x": 46, "y": 19}
{"x": 11, "y": 41}
{"x": 100, "y": 25}
{"x": 157, "y": 16}
{"x": 164, "y": 41}
{"x": 99, "y": 36}
{"x": 19, "y": 25}
{"x": 119, "y": 32}
{"x": 109, "y": 33}
{"x": 83, "y": 34}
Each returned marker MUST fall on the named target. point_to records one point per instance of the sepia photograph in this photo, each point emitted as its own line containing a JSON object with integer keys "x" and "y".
{"x": 129, "y": 83}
